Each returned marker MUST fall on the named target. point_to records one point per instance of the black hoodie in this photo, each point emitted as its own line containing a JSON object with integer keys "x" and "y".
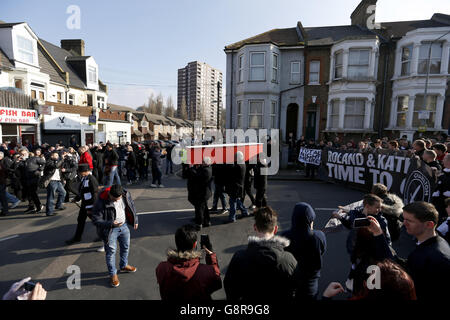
{"x": 307, "y": 246}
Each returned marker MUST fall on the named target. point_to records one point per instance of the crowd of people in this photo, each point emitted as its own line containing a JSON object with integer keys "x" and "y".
{"x": 233, "y": 180}
{"x": 287, "y": 267}
{"x": 432, "y": 151}
{"x": 24, "y": 169}
{"x": 273, "y": 266}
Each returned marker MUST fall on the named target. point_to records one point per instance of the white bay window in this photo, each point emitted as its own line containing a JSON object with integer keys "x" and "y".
{"x": 358, "y": 64}
{"x": 424, "y": 114}
{"x": 354, "y": 113}
{"x": 257, "y": 66}
{"x": 407, "y": 55}
{"x": 435, "y": 58}
{"x": 255, "y": 114}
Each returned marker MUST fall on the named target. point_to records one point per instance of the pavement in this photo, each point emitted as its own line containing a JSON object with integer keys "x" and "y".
{"x": 33, "y": 244}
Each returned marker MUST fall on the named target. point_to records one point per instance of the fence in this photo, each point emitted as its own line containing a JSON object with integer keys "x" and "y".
{"x": 18, "y": 100}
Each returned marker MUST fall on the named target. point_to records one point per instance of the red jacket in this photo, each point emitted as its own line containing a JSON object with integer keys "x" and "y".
{"x": 86, "y": 158}
{"x": 183, "y": 278}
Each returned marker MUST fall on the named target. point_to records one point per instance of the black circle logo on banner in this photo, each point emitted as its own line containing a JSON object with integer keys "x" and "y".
{"x": 417, "y": 188}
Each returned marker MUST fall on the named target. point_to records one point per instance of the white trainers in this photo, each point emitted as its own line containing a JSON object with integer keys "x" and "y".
{"x": 15, "y": 204}
{"x": 160, "y": 186}
{"x": 101, "y": 249}
{"x": 153, "y": 185}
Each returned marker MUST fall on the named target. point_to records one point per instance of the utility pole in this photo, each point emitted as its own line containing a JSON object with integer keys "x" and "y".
{"x": 218, "y": 105}
{"x": 425, "y": 96}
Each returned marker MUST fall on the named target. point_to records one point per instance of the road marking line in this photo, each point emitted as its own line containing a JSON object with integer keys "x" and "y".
{"x": 165, "y": 211}
{"x": 8, "y": 238}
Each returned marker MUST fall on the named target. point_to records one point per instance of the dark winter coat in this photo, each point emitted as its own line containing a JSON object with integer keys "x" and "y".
{"x": 262, "y": 272}
{"x": 31, "y": 170}
{"x": 131, "y": 160}
{"x": 348, "y": 220}
{"x": 50, "y": 168}
{"x": 169, "y": 152}
{"x": 260, "y": 180}
{"x": 442, "y": 192}
{"x": 97, "y": 157}
{"x": 4, "y": 170}
{"x": 435, "y": 164}
{"x": 308, "y": 246}
{"x": 156, "y": 159}
{"x": 234, "y": 186}
{"x": 392, "y": 209}
{"x": 249, "y": 174}
{"x": 70, "y": 165}
{"x": 199, "y": 184}
{"x": 88, "y": 192}
{"x": 183, "y": 278}
{"x": 428, "y": 265}
{"x": 104, "y": 213}
{"x": 219, "y": 172}
{"x": 111, "y": 158}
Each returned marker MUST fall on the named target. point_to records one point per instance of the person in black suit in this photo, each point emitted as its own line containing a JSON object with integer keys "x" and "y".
{"x": 88, "y": 193}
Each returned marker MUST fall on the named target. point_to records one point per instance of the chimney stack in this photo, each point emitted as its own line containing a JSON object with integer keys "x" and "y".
{"x": 74, "y": 45}
{"x": 364, "y": 14}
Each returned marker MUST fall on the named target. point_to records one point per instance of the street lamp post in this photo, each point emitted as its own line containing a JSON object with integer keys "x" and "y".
{"x": 218, "y": 105}
{"x": 425, "y": 95}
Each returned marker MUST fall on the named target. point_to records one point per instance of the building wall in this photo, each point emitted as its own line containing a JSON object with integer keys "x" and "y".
{"x": 4, "y": 79}
{"x": 111, "y": 129}
{"x": 197, "y": 83}
{"x": 414, "y": 84}
{"x": 344, "y": 89}
{"x": 267, "y": 90}
{"x": 320, "y": 91}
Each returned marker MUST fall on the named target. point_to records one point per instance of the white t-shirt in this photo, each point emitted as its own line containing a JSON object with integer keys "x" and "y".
{"x": 56, "y": 176}
{"x": 120, "y": 211}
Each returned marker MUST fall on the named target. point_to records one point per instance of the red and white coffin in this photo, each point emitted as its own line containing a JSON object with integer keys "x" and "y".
{"x": 222, "y": 153}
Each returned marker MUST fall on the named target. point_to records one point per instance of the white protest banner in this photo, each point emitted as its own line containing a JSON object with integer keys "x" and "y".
{"x": 335, "y": 225}
{"x": 311, "y": 156}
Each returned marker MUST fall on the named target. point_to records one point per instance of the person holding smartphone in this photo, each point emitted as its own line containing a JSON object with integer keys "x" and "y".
{"x": 358, "y": 218}
{"x": 183, "y": 277}
{"x": 25, "y": 290}
{"x": 371, "y": 207}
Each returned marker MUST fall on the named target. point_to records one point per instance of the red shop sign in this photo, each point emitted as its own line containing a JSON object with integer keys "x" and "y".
{"x": 19, "y": 116}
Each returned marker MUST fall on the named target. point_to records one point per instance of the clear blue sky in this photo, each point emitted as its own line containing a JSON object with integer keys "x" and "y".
{"x": 145, "y": 42}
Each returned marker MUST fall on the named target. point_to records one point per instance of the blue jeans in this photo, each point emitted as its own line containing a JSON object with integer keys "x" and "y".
{"x": 156, "y": 175}
{"x": 169, "y": 164}
{"x": 121, "y": 234}
{"x": 240, "y": 206}
{"x": 52, "y": 188}
{"x": 219, "y": 194}
{"x": 110, "y": 178}
{"x": 11, "y": 198}
{"x": 131, "y": 174}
